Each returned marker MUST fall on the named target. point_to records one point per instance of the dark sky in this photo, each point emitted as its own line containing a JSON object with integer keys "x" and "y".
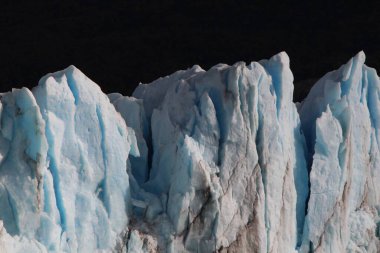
{"x": 121, "y": 43}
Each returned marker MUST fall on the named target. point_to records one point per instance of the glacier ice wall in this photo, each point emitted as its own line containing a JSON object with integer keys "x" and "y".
{"x": 64, "y": 152}
{"x": 226, "y": 165}
{"x": 198, "y": 161}
{"x": 340, "y": 119}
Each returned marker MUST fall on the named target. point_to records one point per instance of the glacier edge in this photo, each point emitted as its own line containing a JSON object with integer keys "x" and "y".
{"x": 199, "y": 161}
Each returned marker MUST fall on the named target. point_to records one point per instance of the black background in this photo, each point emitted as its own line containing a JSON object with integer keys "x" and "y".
{"x": 121, "y": 43}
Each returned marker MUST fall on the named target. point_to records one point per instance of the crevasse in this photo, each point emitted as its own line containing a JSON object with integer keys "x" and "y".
{"x": 198, "y": 161}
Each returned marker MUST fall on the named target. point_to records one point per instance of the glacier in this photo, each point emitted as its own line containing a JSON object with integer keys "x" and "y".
{"x": 220, "y": 160}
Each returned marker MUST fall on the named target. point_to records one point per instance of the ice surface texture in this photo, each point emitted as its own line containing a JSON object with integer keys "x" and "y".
{"x": 198, "y": 161}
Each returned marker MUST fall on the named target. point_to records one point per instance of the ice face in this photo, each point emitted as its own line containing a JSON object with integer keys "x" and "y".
{"x": 226, "y": 157}
{"x": 63, "y": 173}
{"x": 340, "y": 119}
{"x": 198, "y": 161}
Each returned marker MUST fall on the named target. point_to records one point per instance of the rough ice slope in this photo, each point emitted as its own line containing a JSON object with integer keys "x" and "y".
{"x": 198, "y": 161}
